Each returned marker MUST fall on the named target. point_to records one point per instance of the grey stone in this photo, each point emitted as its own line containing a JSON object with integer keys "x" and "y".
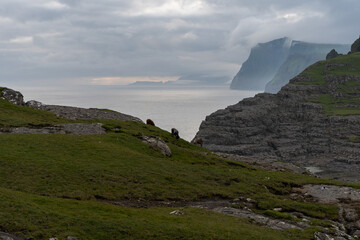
{"x": 34, "y": 104}
{"x": 333, "y": 194}
{"x": 157, "y": 144}
{"x": 12, "y": 96}
{"x": 177, "y": 212}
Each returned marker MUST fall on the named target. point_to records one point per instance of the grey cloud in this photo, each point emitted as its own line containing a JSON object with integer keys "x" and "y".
{"x": 77, "y": 39}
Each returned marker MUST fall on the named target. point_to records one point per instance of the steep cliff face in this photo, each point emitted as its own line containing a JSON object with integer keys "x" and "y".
{"x": 271, "y": 65}
{"x": 262, "y": 64}
{"x": 313, "y": 121}
{"x": 301, "y": 55}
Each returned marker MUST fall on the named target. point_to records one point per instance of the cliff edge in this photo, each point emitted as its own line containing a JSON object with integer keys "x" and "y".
{"x": 314, "y": 121}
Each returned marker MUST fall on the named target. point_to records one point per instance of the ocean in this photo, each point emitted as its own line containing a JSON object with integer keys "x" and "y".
{"x": 183, "y": 108}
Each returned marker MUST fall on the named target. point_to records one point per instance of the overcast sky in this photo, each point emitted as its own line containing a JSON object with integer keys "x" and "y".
{"x": 58, "y": 42}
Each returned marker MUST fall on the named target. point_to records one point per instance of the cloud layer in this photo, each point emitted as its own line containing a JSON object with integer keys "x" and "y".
{"x": 56, "y": 42}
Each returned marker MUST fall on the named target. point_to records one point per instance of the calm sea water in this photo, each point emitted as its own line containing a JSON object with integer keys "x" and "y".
{"x": 183, "y": 108}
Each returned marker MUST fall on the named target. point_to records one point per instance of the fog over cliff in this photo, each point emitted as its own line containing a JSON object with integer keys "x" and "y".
{"x": 61, "y": 42}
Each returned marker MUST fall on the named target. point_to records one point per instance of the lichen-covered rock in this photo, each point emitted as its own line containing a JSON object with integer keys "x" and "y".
{"x": 157, "y": 144}
{"x": 34, "y": 104}
{"x": 12, "y": 96}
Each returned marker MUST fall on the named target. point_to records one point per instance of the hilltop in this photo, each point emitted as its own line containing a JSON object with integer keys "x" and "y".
{"x": 111, "y": 184}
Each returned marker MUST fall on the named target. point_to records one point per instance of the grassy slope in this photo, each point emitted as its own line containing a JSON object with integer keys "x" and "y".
{"x": 346, "y": 103}
{"x": 55, "y": 185}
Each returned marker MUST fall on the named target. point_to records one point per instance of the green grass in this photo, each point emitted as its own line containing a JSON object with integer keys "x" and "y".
{"x": 347, "y": 99}
{"x": 43, "y": 217}
{"x": 59, "y": 185}
{"x": 13, "y": 115}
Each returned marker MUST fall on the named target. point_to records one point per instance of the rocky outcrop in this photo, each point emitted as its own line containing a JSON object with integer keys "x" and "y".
{"x": 68, "y": 128}
{"x": 12, "y": 96}
{"x": 292, "y": 125}
{"x": 355, "y": 47}
{"x": 76, "y": 113}
{"x": 332, "y": 54}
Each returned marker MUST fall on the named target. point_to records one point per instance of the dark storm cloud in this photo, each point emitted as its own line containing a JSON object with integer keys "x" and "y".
{"x": 62, "y": 41}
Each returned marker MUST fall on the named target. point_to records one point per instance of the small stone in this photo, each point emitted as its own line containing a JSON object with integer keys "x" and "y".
{"x": 54, "y": 238}
{"x": 177, "y": 212}
{"x": 277, "y": 209}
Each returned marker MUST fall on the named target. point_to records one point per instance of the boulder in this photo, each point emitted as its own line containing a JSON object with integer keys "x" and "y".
{"x": 157, "y": 144}
{"x": 12, "y": 96}
{"x": 34, "y": 104}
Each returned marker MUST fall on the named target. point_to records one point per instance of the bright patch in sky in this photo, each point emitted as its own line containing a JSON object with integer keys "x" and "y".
{"x": 129, "y": 80}
{"x": 170, "y": 8}
{"x": 22, "y": 40}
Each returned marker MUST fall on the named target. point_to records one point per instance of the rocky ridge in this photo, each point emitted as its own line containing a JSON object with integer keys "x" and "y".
{"x": 312, "y": 122}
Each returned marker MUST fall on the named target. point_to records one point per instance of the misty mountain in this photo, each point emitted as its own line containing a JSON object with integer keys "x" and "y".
{"x": 271, "y": 65}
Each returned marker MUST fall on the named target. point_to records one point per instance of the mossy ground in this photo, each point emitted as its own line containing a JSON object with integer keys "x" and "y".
{"x": 60, "y": 185}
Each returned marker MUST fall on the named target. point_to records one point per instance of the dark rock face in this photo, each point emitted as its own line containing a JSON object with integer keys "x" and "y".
{"x": 12, "y": 96}
{"x": 289, "y": 127}
{"x": 355, "y": 47}
{"x": 262, "y": 64}
{"x": 332, "y": 54}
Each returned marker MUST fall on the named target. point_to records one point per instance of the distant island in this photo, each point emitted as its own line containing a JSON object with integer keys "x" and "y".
{"x": 272, "y": 64}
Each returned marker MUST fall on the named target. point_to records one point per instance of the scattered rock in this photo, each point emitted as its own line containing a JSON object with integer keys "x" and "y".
{"x": 277, "y": 209}
{"x": 157, "y": 144}
{"x": 177, "y": 212}
{"x": 12, "y": 96}
{"x": 332, "y": 194}
{"x": 357, "y": 233}
{"x": 271, "y": 223}
{"x": 54, "y": 238}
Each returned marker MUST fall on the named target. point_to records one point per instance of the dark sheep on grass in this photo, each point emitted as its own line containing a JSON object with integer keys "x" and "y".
{"x": 150, "y": 122}
{"x": 175, "y": 133}
{"x": 197, "y": 141}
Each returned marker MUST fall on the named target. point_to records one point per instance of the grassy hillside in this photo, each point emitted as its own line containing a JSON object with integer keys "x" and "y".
{"x": 60, "y": 185}
{"x": 344, "y": 99}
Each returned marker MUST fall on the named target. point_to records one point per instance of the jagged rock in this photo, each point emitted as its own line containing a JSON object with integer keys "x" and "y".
{"x": 332, "y": 54}
{"x": 12, "y": 96}
{"x": 157, "y": 144}
{"x": 34, "y": 104}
